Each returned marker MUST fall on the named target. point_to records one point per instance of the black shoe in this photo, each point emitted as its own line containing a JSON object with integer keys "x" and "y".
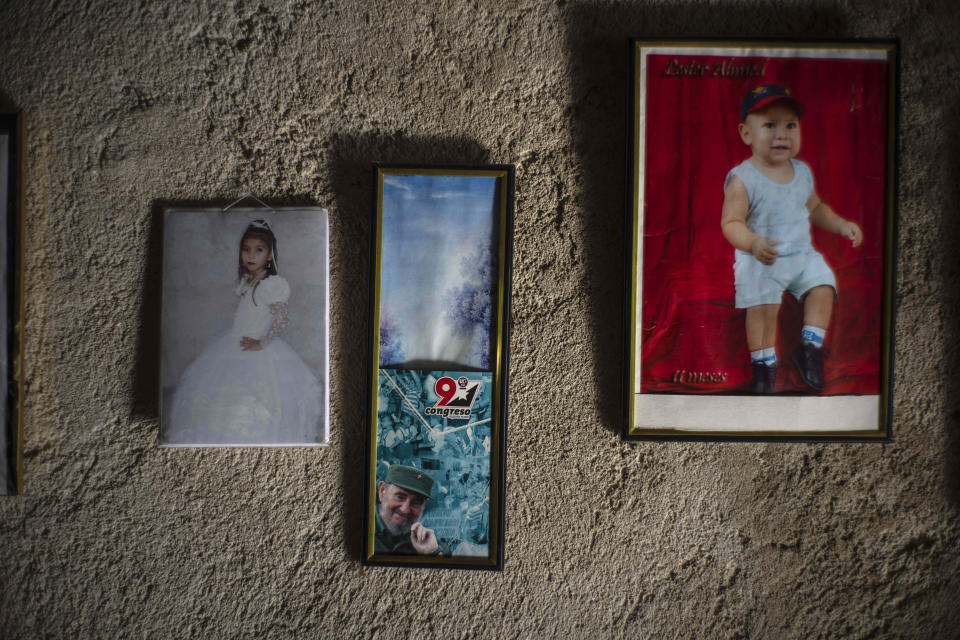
{"x": 771, "y": 379}
{"x": 758, "y": 384}
{"x": 809, "y": 361}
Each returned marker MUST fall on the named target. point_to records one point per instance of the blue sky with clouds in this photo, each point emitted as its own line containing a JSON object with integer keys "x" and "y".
{"x": 430, "y": 223}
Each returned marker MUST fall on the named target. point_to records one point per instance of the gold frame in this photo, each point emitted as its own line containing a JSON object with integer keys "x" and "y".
{"x": 505, "y": 174}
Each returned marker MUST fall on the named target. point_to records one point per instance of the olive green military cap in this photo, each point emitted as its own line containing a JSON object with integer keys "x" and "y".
{"x": 411, "y": 479}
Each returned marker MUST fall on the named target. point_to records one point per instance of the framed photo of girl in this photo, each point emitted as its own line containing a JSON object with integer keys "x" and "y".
{"x": 760, "y": 247}
{"x": 439, "y": 317}
{"x": 12, "y": 171}
{"x": 244, "y": 327}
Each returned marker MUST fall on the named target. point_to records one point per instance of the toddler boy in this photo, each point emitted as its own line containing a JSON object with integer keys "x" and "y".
{"x": 768, "y": 206}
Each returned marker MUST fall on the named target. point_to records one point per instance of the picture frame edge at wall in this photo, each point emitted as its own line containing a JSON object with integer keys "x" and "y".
{"x": 14, "y": 123}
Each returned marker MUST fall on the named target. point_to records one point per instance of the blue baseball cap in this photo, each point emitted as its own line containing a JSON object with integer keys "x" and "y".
{"x": 766, "y": 94}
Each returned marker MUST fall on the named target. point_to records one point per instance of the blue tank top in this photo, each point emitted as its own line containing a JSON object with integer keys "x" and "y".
{"x": 778, "y": 211}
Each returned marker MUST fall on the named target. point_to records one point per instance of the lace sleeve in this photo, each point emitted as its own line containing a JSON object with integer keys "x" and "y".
{"x": 280, "y": 321}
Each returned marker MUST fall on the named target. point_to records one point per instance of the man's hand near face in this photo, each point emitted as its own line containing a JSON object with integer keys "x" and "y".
{"x": 424, "y": 540}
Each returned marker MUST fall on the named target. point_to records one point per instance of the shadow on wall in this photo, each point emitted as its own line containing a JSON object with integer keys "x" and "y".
{"x": 950, "y": 233}
{"x": 598, "y": 63}
{"x": 146, "y": 374}
{"x": 350, "y": 158}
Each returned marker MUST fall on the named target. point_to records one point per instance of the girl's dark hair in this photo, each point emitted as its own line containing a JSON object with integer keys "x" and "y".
{"x": 261, "y": 230}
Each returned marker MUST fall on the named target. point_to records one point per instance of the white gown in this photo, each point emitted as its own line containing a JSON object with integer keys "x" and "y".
{"x": 231, "y": 396}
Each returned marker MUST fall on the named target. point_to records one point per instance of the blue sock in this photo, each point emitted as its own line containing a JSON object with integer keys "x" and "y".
{"x": 769, "y": 356}
{"x": 764, "y": 356}
{"x": 813, "y": 335}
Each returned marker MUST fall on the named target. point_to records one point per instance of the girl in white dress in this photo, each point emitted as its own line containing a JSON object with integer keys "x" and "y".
{"x": 249, "y": 386}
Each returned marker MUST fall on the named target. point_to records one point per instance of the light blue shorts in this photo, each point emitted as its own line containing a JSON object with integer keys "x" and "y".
{"x": 757, "y": 283}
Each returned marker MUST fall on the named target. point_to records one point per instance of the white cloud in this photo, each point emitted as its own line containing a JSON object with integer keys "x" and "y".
{"x": 396, "y": 182}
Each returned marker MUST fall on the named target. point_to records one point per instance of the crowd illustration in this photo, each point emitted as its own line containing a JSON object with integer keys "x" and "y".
{"x": 455, "y": 453}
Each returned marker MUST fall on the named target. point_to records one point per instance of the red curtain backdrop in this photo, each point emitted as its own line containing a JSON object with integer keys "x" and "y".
{"x": 693, "y": 340}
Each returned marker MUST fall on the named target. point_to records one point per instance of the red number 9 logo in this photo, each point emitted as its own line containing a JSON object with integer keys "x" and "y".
{"x": 446, "y": 388}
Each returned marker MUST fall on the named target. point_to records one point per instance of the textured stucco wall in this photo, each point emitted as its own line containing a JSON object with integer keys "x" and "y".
{"x": 136, "y": 106}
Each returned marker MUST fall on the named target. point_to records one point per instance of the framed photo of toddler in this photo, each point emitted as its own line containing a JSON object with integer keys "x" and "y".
{"x": 439, "y": 318}
{"x": 760, "y": 246}
{"x": 244, "y": 327}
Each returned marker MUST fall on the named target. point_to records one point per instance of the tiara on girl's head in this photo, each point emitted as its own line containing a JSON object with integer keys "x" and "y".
{"x": 261, "y": 224}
